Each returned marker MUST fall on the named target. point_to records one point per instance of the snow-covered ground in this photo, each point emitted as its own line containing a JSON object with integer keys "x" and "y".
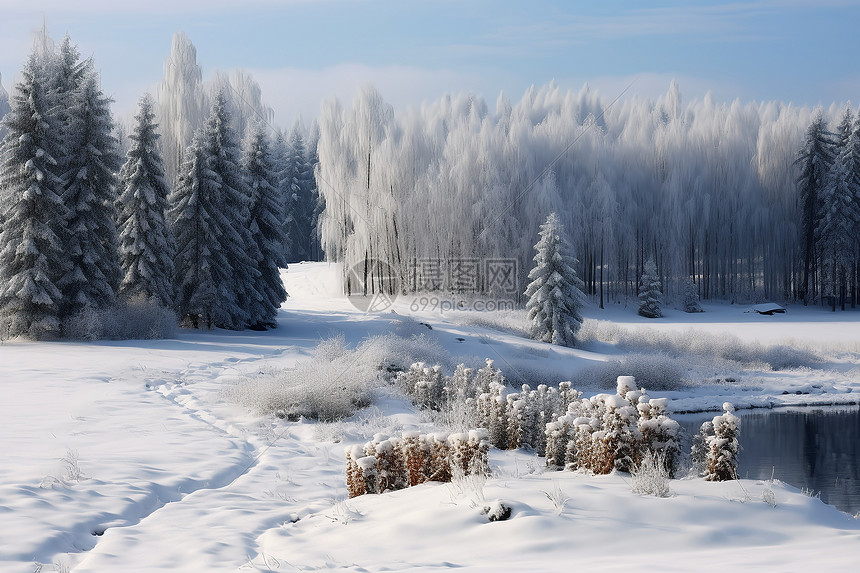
{"x": 133, "y": 456}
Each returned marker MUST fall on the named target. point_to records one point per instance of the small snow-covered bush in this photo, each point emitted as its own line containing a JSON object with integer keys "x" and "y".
{"x": 389, "y": 464}
{"x": 137, "y": 318}
{"x": 650, "y": 476}
{"x": 655, "y": 370}
{"x": 722, "y": 453}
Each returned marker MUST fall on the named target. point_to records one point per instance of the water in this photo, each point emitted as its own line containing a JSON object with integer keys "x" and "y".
{"x": 817, "y": 449}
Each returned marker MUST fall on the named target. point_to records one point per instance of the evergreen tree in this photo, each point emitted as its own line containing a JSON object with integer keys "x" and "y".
{"x": 92, "y": 163}
{"x": 33, "y": 214}
{"x": 216, "y": 274}
{"x": 691, "y": 296}
{"x": 650, "y": 292}
{"x": 267, "y": 207}
{"x": 555, "y": 291}
{"x": 297, "y": 187}
{"x": 814, "y": 160}
{"x": 146, "y": 242}
{"x": 195, "y": 219}
{"x": 238, "y": 246}
{"x": 840, "y": 216}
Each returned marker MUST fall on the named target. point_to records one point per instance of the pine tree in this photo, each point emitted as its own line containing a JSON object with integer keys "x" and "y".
{"x": 33, "y": 215}
{"x": 650, "y": 292}
{"x": 267, "y": 206}
{"x": 840, "y": 205}
{"x": 691, "y": 296}
{"x": 814, "y": 160}
{"x": 92, "y": 162}
{"x": 297, "y": 187}
{"x": 194, "y": 218}
{"x": 238, "y": 246}
{"x": 216, "y": 274}
{"x": 555, "y": 291}
{"x": 146, "y": 242}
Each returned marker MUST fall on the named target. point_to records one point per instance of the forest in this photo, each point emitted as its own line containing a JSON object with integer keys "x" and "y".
{"x": 750, "y": 201}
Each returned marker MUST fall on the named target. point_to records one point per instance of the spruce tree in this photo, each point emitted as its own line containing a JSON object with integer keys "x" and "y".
{"x": 691, "y": 296}
{"x": 146, "y": 242}
{"x": 216, "y": 258}
{"x": 194, "y": 218}
{"x": 650, "y": 292}
{"x": 92, "y": 163}
{"x": 235, "y": 241}
{"x": 297, "y": 187}
{"x": 267, "y": 207}
{"x": 555, "y": 297}
{"x": 840, "y": 209}
{"x": 814, "y": 160}
{"x": 32, "y": 259}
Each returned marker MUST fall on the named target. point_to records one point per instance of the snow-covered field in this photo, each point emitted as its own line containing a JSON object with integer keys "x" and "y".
{"x": 135, "y": 456}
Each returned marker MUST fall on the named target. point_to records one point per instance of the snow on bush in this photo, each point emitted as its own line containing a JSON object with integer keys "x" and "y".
{"x": 715, "y": 346}
{"x": 336, "y": 382}
{"x": 721, "y": 461}
{"x": 655, "y": 370}
{"x": 137, "y": 318}
{"x": 650, "y": 476}
{"x": 389, "y": 464}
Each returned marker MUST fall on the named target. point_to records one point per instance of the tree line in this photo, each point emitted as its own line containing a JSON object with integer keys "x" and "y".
{"x": 83, "y": 231}
{"x": 735, "y": 198}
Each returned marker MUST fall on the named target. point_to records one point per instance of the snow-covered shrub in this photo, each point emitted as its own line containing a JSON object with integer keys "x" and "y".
{"x": 650, "y": 292}
{"x": 722, "y": 453}
{"x": 491, "y": 407}
{"x": 389, "y": 464}
{"x": 691, "y": 296}
{"x": 683, "y": 345}
{"x": 699, "y": 448}
{"x": 331, "y": 349}
{"x": 360, "y": 472}
{"x": 661, "y": 435}
{"x": 136, "y": 318}
{"x": 654, "y": 370}
{"x": 650, "y": 476}
{"x": 325, "y": 391}
{"x": 619, "y": 435}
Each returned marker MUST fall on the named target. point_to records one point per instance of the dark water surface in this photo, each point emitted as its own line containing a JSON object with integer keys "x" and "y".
{"x": 817, "y": 449}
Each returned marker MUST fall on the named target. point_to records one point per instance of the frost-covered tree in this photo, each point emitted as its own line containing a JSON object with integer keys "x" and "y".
{"x": 92, "y": 162}
{"x": 554, "y": 294}
{"x": 691, "y": 296}
{"x": 32, "y": 213}
{"x": 182, "y": 103}
{"x": 815, "y": 161}
{"x": 650, "y": 292}
{"x": 267, "y": 207}
{"x": 145, "y": 240}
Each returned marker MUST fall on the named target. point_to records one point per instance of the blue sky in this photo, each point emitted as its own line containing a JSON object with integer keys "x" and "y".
{"x": 302, "y": 51}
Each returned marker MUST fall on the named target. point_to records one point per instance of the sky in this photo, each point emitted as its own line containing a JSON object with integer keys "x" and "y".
{"x": 305, "y": 51}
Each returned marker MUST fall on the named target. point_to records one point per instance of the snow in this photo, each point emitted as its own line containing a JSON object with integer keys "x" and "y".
{"x": 163, "y": 471}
